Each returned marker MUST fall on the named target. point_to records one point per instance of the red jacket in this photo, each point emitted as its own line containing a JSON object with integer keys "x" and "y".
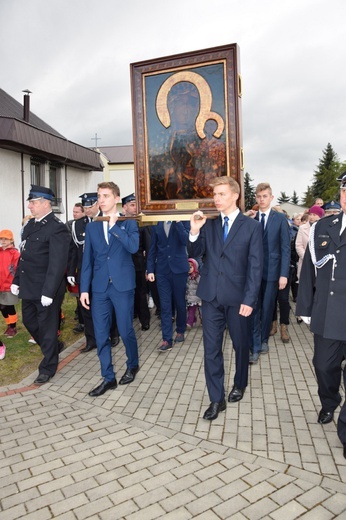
{"x": 8, "y": 264}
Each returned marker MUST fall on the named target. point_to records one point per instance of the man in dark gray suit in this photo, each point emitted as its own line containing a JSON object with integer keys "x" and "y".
{"x": 231, "y": 247}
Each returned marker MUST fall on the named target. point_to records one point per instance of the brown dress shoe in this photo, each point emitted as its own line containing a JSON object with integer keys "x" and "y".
{"x": 285, "y": 338}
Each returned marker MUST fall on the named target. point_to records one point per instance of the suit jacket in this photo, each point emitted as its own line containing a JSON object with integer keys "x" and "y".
{"x": 169, "y": 254}
{"x": 232, "y": 270}
{"x": 276, "y": 247}
{"x": 319, "y": 296}
{"x": 43, "y": 261}
{"x": 103, "y": 262}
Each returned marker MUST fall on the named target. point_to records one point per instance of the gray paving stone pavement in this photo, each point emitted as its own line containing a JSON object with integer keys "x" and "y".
{"x": 143, "y": 451}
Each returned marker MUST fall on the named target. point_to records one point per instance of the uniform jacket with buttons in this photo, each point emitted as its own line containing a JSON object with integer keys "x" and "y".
{"x": 322, "y": 295}
{"x": 75, "y": 257}
{"x": 104, "y": 263}
{"x": 43, "y": 259}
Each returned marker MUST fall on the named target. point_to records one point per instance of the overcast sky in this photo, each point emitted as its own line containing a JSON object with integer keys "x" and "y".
{"x": 75, "y": 55}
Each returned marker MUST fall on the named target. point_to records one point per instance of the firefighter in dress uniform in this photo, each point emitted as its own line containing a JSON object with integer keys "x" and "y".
{"x": 40, "y": 277}
{"x": 321, "y": 303}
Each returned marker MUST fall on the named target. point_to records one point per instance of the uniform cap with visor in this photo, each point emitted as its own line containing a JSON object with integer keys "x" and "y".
{"x": 40, "y": 192}
{"x": 89, "y": 199}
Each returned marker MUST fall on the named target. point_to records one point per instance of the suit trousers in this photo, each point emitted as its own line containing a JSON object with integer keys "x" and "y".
{"x": 261, "y": 318}
{"x": 88, "y": 326}
{"x": 102, "y": 305}
{"x": 172, "y": 287}
{"x": 42, "y": 324}
{"x": 215, "y": 318}
{"x": 141, "y": 300}
{"x": 328, "y": 357}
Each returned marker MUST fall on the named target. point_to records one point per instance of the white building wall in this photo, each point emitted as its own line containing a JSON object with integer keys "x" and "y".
{"x": 11, "y": 213}
{"x": 124, "y": 177}
{"x": 15, "y": 186}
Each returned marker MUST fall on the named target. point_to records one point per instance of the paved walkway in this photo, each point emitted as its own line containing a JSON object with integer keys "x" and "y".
{"x": 143, "y": 451}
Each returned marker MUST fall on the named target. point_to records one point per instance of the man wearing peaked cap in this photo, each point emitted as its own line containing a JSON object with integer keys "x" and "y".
{"x": 331, "y": 208}
{"x": 342, "y": 178}
{"x": 321, "y": 302}
{"x": 89, "y": 199}
{"x": 128, "y": 198}
{"x": 40, "y": 277}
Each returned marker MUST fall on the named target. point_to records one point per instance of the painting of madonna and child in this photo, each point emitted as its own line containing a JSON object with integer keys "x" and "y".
{"x": 187, "y": 125}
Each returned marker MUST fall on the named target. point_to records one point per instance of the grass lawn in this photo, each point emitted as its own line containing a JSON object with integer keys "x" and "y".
{"x": 22, "y": 358}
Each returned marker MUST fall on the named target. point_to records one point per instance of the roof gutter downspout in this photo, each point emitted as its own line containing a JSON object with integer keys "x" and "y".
{"x": 66, "y": 205}
{"x": 22, "y": 182}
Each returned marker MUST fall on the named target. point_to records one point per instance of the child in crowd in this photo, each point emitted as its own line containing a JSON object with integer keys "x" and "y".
{"x": 9, "y": 257}
{"x": 192, "y": 300}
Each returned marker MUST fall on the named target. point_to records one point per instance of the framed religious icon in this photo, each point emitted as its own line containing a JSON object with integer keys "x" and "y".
{"x": 187, "y": 129}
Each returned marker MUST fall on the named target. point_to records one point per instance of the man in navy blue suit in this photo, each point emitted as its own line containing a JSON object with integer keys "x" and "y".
{"x": 276, "y": 266}
{"x": 231, "y": 246}
{"x": 167, "y": 263}
{"x": 108, "y": 270}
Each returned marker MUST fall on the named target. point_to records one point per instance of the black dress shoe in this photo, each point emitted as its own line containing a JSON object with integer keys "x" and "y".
{"x": 129, "y": 376}
{"x": 146, "y": 327}
{"x": 212, "y": 412}
{"x": 115, "y": 341}
{"x": 41, "y": 379}
{"x": 88, "y": 348}
{"x": 344, "y": 451}
{"x": 79, "y": 328}
{"x": 103, "y": 387}
{"x": 236, "y": 394}
{"x": 325, "y": 417}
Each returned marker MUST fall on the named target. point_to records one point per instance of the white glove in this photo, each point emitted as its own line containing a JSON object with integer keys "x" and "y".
{"x": 71, "y": 280}
{"x": 15, "y": 289}
{"x": 306, "y": 319}
{"x": 46, "y": 301}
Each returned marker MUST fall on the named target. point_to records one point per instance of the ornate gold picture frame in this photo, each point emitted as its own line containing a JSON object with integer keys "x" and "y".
{"x": 187, "y": 128}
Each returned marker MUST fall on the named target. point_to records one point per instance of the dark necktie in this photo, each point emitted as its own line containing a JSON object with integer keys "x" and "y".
{"x": 263, "y": 219}
{"x": 225, "y": 228}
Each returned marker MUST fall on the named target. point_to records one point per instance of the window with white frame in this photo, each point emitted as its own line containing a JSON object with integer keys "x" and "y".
{"x": 49, "y": 175}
